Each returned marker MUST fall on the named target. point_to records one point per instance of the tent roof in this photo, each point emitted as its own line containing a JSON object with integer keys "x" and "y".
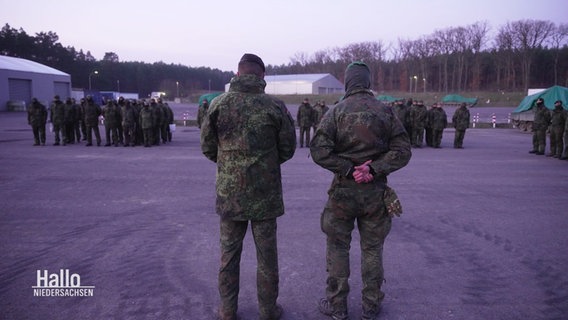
{"x": 456, "y": 98}
{"x": 208, "y": 96}
{"x": 387, "y": 98}
{"x": 18, "y": 64}
{"x": 549, "y": 95}
{"x": 308, "y": 77}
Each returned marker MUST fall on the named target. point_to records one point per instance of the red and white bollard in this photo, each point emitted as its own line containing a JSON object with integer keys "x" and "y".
{"x": 493, "y": 120}
{"x": 475, "y": 119}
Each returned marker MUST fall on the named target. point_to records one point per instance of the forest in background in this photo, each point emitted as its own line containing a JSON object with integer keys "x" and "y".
{"x": 516, "y": 56}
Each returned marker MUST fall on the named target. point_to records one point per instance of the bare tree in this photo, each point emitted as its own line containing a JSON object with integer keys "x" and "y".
{"x": 558, "y": 39}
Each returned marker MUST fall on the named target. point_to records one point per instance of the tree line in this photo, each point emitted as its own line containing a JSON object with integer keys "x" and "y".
{"x": 521, "y": 54}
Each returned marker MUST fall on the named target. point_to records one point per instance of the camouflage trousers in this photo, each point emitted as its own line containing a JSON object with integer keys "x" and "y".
{"x": 346, "y": 205}
{"x": 458, "y": 138}
{"x": 539, "y": 140}
{"x": 232, "y": 235}
{"x": 39, "y": 133}
{"x": 556, "y": 141}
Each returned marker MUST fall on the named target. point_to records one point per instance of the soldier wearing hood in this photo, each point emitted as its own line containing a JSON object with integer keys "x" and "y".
{"x": 361, "y": 142}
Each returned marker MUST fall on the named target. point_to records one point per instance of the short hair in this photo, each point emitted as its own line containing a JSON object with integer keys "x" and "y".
{"x": 247, "y": 67}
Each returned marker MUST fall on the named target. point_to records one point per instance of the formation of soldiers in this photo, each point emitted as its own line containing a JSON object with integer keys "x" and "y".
{"x": 422, "y": 123}
{"x": 555, "y": 122}
{"x": 126, "y": 122}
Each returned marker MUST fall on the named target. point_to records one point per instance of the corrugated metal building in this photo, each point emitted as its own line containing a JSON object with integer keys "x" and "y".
{"x": 315, "y": 83}
{"x": 21, "y": 80}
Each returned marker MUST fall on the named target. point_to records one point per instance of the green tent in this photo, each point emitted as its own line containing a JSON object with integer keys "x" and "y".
{"x": 456, "y": 98}
{"x": 549, "y": 95}
{"x": 387, "y": 98}
{"x": 208, "y": 96}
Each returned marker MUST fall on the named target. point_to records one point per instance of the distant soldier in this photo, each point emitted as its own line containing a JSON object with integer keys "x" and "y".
{"x": 158, "y": 114}
{"x": 146, "y": 120}
{"x": 460, "y": 120}
{"x": 37, "y": 117}
{"x": 540, "y": 125}
{"x": 164, "y": 121}
{"x": 564, "y": 156}
{"x": 319, "y": 110}
{"x": 92, "y": 114}
{"x": 78, "y": 110}
{"x": 418, "y": 116}
{"x": 438, "y": 120}
{"x": 402, "y": 112}
{"x": 128, "y": 116}
{"x": 202, "y": 111}
{"x": 170, "y": 120}
{"x": 111, "y": 114}
{"x": 305, "y": 117}
{"x": 57, "y": 118}
{"x": 69, "y": 122}
{"x": 82, "y": 105}
{"x": 557, "y": 122}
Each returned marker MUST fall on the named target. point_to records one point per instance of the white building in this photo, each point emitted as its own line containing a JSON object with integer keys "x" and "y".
{"x": 315, "y": 83}
{"x": 21, "y": 80}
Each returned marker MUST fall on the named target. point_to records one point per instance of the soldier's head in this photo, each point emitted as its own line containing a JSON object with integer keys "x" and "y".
{"x": 69, "y": 101}
{"x": 357, "y": 76}
{"x": 34, "y": 100}
{"x": 463, "y": 105}
{"x": 539, "y": 101}
{"x": 558, "y": 103}
{"x": 89, "y": 98}
{"x": 251, "y": 64}
{"x": 56, "y": 98}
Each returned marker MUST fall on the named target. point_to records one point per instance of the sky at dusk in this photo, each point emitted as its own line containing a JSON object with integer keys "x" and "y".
{"x": 212, "y": 33}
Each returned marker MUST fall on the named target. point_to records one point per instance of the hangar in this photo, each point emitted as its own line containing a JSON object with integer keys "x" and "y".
{"x": 314, "y": 83}
{"x": 21, "y": 80}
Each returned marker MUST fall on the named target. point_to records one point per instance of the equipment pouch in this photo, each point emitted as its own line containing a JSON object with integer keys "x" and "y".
{"x": 394, "y": 208}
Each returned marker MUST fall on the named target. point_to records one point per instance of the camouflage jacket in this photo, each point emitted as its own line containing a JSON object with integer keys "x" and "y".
{"x": 558, "y": 118}
{"x": 418, "y": 115}
{"x": 541, "y": 118}
{"x": 249, "y": 134}
{"x": 357, "y": 129}
{"x": 57, "y": 115}
{"x": 92, "y": 113}
{"x": 437, "y": 119}
{"x": 305, "y": 115}
{"x": 37, "y": 114}
{"x": 461, "y": 118}
{"x": 147, "y": 120}
{"x": 112, "y": 115}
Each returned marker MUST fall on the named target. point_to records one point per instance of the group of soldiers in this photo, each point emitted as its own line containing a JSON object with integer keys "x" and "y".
{"x": 555, "y": 122}
{"x": 419, "y": 121}
{"x": 308, "y": 118}
{"x": 127, "y": 122}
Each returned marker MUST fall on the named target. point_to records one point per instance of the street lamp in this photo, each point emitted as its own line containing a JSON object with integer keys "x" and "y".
{"x": 415, "y": 83}
{"x": 424, "y": 79}
{"x": 177, "y": 89}
{"x": 90, "y": 74}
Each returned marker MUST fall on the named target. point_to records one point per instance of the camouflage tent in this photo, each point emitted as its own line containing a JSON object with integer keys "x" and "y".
{"x": 457, "y": 99}
{"x": 549, "y": 95}
{"x": 208, "y": 96}
{"x": 387, "y": 98}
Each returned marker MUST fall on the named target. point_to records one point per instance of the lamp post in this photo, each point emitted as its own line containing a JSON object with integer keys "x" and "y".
{"x": 424, "y": 80}
{"x": 415, "y": 83}
{"x": 410, "y": 90}
{"x": 177, "y": 89}
{"x": 90, "y": 74}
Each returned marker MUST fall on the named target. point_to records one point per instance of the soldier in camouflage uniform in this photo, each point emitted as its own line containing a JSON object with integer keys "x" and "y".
{"x": 402, "y": 111}
{"x": 438, "y": 122}
{"x": 319, "y": 110}
{"x": 91, "y": 114}
{"x": 418, "y": 117}
{"x": 146, "y": 120}
{"x": 557, "y": 122}
{"x": 69, "y": 122}
{"x": 57, "y": 118}
{"x": 128, "y": 115}
{"x": 111, "y": 113}
{"x": 539, "y": 127}
{"x": 460, "y": 120}
{"x": 361, "y": 141}
{"x": 305, "y": 119}
{"x": 37, "y": 117}
{"x": 202, "y": 111}
{"x": 249, "y": 134}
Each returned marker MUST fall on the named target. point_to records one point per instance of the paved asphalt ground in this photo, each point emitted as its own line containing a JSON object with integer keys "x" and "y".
{"x": 484, "y": 232}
